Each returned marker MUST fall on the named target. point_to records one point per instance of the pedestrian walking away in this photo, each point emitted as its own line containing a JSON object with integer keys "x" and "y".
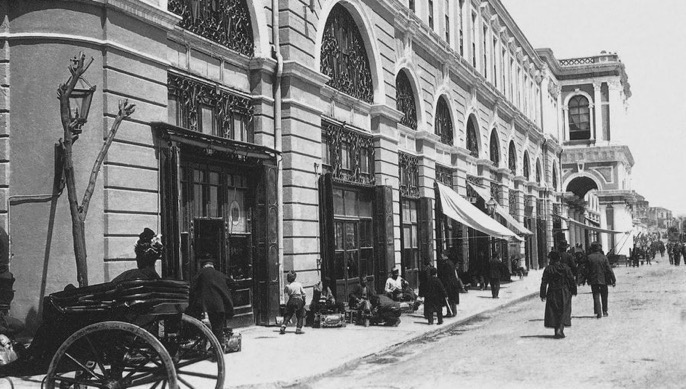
{"x": 448, "y": 277}
{"x": 295, "y": 304}
{"x": 436, "y": 297}
{"x": 496, "y": 269}
{"x": 600, "y": 275}
{"x": 557, "y": 288}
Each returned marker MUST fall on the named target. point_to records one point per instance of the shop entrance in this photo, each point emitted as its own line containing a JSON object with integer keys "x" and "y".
{"x": 353, "y": 239}
{"x": 217, "y": 218}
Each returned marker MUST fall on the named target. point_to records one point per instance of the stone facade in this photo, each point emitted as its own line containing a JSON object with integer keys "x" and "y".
{"x": 328, "y": 169}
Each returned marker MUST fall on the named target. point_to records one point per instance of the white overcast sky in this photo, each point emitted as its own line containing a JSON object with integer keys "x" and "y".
{"x": 650, "y": 38}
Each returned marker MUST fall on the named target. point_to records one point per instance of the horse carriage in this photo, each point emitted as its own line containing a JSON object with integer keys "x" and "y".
{"x": 122, "y": 335}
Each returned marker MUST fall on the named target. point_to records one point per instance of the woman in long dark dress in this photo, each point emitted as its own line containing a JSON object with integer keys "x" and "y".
{"x": 557, "y": 288}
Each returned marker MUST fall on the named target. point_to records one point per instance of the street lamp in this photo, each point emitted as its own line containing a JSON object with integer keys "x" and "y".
{"x": 80, "y": 104}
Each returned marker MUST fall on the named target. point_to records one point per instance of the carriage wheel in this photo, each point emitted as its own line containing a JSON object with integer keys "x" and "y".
{"x": 200, "y": 348}
{"x": 111, "y": 354}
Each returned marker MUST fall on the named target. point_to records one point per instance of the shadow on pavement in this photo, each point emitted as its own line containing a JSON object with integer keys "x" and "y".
{"x": 584, "y": 317}
{"x": 539, "y": 336}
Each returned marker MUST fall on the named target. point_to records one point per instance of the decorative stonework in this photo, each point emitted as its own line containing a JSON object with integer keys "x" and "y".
{"x": 226, "y": 22}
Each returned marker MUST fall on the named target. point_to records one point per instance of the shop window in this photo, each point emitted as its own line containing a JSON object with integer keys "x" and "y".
{"x": 344, "y": 56}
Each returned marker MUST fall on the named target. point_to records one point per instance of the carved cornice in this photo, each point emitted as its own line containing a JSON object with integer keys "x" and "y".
{"x": 598, "y": 154}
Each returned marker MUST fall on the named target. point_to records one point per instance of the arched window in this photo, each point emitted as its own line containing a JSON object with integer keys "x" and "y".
{"x": 443, "y": 125}
{"x": 344, "y": 57}
{"x": 495, "y": 148}
{"x": 579, "y": 118}
{"x": 538, "y": 172}
{"x": 526, "y": 171}
{"x": 512, "y": 158}
{"x": 472, "y": 140}
{"x": 554, "y": 177}
{"x": 227, "y": 23}
{"x": 404, "y": 100}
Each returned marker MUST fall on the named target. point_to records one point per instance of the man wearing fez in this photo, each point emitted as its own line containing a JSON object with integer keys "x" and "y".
{"x": 210, "y": 293}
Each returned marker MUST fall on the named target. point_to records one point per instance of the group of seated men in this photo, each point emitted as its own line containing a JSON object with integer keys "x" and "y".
{"x": 382, "y": 308}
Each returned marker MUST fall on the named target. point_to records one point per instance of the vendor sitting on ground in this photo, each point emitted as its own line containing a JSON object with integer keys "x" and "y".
{"x": 358, "y": 299}
{"x": 148, "y": 250}
{"x": 397, "y": 288}
{"x": 385, "y": 311}
{"x": 323, "y": 300}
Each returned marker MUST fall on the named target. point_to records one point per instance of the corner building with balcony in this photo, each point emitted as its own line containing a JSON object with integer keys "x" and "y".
{"x": 308, "y": 138}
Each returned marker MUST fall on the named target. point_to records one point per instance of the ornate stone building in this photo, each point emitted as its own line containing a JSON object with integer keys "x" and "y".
{"x": 592, "y": 97}
{"x": 307, "y": 139}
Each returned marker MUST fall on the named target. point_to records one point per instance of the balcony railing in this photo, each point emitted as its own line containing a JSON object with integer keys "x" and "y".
{"x": 603, "y": 58}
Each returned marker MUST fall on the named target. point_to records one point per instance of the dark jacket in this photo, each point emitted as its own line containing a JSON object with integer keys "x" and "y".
{"x": 496, "y": 269}
{"x": 599, "y": 271}
{"x": 210, "y": 292}
{"x": 435, "y": 294}
{"x": 557, "y": 287}
{"x": 568, "y": 259}
{"x": 448, "y": 277}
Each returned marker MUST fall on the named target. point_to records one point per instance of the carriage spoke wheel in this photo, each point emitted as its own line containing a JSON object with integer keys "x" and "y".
{"x": 199, "y": 357}
{"x": 111, "y": 355}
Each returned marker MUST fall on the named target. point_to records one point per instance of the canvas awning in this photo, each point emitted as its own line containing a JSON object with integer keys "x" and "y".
{"x": 486, "y": 195}
{"x": 591, "y": 228}
{"x": 457, "y": 208}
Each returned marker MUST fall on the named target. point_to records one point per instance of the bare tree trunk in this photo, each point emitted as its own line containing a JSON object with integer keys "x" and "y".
{"x": 79, "y": 212}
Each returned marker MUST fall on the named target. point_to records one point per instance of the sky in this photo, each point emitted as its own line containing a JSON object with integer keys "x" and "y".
{"x": 650, "y": 39}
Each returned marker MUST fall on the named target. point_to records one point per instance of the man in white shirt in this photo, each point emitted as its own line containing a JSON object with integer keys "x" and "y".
{"x": 394, "y": 285}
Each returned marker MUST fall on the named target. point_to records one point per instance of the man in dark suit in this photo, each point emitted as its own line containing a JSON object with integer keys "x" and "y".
{"x": 566, "y": 257}
{"x": 210, "y": 293}
{"x": 600, "y": 275}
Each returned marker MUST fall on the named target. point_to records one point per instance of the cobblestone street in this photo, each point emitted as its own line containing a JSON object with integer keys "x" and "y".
{"x": 639, "y": 345}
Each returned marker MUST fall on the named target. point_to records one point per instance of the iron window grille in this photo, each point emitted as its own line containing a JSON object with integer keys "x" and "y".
{"x": 404, "y": 101}
{"x": 204, "y": 108}
{"x": 472, "y": 142}
{"x": 443, "y": 124}
{"x": 495, "y": 148}
{"x": 226, "y": 22}
{"x": 444, "y": 175}
{"x": 409, "y": 175}
{"x": 347, "y": 154}
{"x": 512, "y": 158}
{"x": 344, "y": 57}
{"x": 514, "y": 203}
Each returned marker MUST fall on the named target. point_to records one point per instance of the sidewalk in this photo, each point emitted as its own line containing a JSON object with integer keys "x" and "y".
{"x": 270, "y": 360}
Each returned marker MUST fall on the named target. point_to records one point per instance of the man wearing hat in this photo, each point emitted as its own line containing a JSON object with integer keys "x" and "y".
{"x": 566, "y": 257}
{"x": 600, "y": 275}
{"x": 210, "y": 293}
{"x": 397, "y": 288}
